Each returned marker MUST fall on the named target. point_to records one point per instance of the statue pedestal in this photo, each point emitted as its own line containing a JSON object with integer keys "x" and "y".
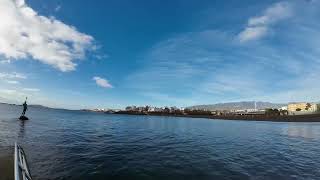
{"x": 23, "y": 118}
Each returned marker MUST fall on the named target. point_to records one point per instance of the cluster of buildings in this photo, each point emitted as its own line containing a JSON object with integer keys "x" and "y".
{"x": 291, "y": 109}
{"x": 302, "y": 108}
{"x": 298, "y": 108}
{"x": 142, "y": 109}
{"x": 103, "y": 110}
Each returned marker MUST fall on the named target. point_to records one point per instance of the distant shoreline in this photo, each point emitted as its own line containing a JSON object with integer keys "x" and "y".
{"x": 270, "y": 118}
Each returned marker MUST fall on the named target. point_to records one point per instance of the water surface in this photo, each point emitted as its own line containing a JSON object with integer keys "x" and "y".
{"x": 63, "y": 144}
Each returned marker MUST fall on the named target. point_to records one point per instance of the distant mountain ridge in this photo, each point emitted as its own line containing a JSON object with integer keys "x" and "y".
{"x": 29, "y": 105}
{"x": 237, "y": 106}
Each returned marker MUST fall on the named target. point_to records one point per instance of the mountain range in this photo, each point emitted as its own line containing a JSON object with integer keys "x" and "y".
{"x": 237, "y": 106}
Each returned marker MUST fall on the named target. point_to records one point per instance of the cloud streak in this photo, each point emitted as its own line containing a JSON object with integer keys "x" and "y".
{"x": 209, "y": 66}
{"x": 259, "y": 26}
{"x": 13, "y": 75}
{"x": 12, "y": 82}
{"x": 24, "y": 33}
{"x": 31, "y": 89}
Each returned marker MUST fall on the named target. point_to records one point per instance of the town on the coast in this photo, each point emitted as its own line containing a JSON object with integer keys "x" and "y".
{"x": 245, "y": 110}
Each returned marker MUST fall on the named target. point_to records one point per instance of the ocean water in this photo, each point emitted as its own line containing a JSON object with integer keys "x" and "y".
{"x": 63, "y": 144}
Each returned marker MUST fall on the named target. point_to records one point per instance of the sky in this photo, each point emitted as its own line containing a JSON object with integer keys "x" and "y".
{"x": 110, "y": 54}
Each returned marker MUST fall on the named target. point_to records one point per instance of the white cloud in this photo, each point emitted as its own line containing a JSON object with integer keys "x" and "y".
{"x": 5, "y": 61}
{"x": 15, "y": 96}
{"x": 258, "y": 27}
{"x": 252, "y": 33}
{"x": 24, "y": 33}
{"x": 274, "y": 13}
{"x": 31, "y": 89}
{"x": 102, "y": 82}
{"x": 12, "y": 82}
{"x": 8, "y": 91}
{"x": 13, "y": 75}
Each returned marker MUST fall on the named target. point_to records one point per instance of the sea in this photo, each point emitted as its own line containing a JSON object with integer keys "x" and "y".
{"x": 78, "y": 145}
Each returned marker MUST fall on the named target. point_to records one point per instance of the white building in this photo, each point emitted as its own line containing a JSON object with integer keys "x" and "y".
{"x": 284, "y": 108}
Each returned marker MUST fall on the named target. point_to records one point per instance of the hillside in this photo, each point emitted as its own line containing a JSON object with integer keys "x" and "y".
{"x": 238, "y": 105}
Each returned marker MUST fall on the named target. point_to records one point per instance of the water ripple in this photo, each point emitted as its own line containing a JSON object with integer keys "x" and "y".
{"x": 79, "y": 145}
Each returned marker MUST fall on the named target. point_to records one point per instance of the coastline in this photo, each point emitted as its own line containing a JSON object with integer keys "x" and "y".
{"x": 270, "y": 118}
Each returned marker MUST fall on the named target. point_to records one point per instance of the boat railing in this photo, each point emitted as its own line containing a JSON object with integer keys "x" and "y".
{"x": 21, "y": 169}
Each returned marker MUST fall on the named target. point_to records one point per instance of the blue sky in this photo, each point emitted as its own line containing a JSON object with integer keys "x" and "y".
{"x": 87, "y": 54}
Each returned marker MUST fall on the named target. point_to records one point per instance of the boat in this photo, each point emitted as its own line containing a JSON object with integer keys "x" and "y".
{"x": 21, "y": 168}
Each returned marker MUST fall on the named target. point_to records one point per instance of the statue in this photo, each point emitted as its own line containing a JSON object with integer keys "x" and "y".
{"x": 25, "y": 108}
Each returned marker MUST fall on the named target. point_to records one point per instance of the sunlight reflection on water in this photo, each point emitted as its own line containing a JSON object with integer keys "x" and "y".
{"x": 302, "y": 130}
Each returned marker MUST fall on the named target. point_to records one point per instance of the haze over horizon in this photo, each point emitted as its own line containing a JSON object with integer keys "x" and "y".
{"x": 79, "y": 54}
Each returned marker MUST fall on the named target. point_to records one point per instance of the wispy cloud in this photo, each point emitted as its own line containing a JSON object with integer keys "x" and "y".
{"x": 164, "y": 99}
{"x": 209, "y": 66}
{"x": 172, "y": 70}
{"x": 17, "y": 95}
{"x": 31, "y": 89}
{"x": 57, "y": 8}
{"x": 102, "y": 82}
{"x": 5, "y": 61}
{"x": 13, "y": 75}
{"x": 259, "y": 26}
{"x": 24, "y": 33}
{"x": 12, "y": 78}
{"x": 11, "y": 95}
{"x": 180, "y": 58}
{"x": 8, "y": 91}
{"x": 12, "y": 82}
